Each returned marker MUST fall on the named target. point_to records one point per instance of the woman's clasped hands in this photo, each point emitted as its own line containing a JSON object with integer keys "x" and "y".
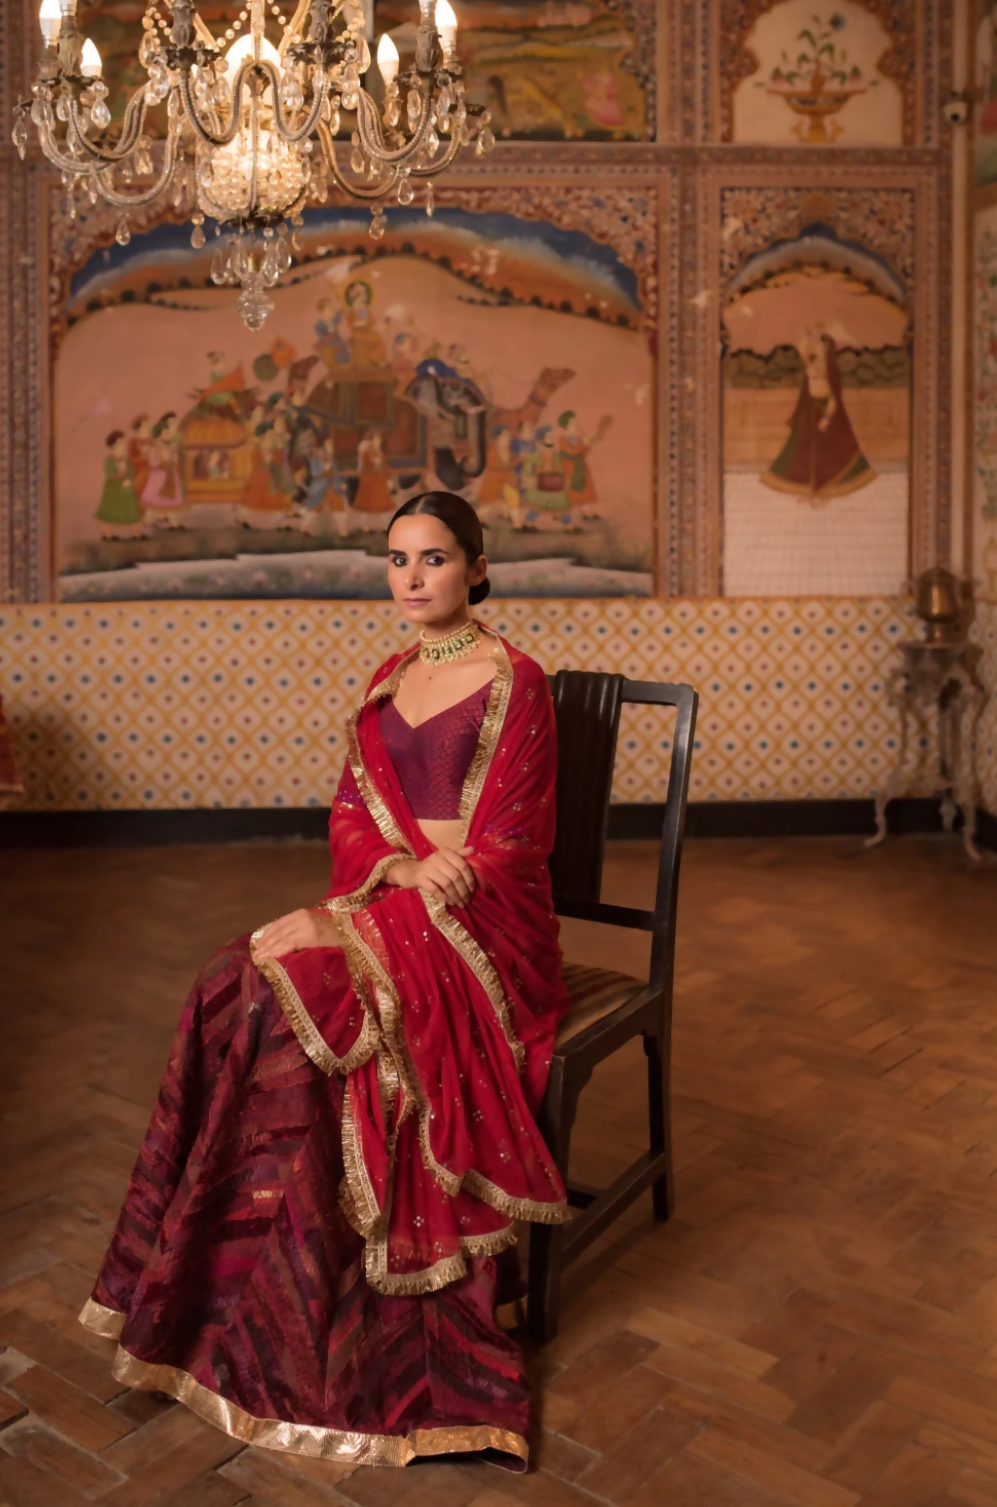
{"x": 446, "y": 873}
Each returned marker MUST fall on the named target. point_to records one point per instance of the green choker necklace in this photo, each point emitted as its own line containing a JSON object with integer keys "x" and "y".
{"x": 439, "y": 651}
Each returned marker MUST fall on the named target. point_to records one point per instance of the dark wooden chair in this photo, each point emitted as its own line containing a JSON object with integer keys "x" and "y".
{"x": 608, "y": 1009}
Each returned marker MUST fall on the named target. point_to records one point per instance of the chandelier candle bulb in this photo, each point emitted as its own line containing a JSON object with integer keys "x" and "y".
{"x": 446, "y": 25}
{"x": 50, "y": 21}
{"x": 90, "y": 64}
{"x": 387, "y": 58}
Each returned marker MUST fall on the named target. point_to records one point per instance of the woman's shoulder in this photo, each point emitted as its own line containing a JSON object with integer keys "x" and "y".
{"x": 525, "y": 669}
{"x": 383, "y": 671}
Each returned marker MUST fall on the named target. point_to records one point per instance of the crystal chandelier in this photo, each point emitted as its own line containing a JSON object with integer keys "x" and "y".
{"x": 251, "y": 127}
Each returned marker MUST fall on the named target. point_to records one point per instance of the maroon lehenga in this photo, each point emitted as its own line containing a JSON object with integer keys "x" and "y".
{"x": 308, "y": 1251}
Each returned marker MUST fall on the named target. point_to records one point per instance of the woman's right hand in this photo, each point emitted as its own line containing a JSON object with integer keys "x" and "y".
{"x": 446, "y": 872}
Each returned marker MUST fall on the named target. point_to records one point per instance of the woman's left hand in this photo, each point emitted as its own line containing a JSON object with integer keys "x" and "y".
{"x": 292, "y": 933}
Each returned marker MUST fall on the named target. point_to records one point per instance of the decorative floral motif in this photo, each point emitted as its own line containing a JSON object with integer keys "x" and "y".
{"x": 818, "y": 81}
{"x": 738, "y": 62}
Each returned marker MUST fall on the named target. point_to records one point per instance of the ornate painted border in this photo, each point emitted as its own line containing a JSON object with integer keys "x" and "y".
{"x": 701, "y": 398}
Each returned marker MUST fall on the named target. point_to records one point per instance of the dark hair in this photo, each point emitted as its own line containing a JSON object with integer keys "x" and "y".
{"x": 462, "y": 521}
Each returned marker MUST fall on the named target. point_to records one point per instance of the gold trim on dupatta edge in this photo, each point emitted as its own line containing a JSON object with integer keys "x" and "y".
{"x": 346, "y": 1446}
{"x": 357, "y": 899}
{"x": 312, "y": 1042}
{"x": 491, "y": 730}
{"x": 372, "y": 797}
{"x": 107, "y": 1322}
{"x": 474, "y": 955}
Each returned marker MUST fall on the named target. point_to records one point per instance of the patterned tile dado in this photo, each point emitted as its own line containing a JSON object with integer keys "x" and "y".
{"x": 230, "y": 705}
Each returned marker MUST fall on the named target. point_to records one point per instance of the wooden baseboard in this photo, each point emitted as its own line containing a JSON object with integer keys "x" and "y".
{"x": 706, "y": 819}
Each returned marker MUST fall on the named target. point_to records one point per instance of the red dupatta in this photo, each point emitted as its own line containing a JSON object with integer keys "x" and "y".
{"x": 441, "y": 1018}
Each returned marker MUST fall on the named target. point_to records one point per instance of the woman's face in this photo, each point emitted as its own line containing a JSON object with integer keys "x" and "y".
{"x": 428, "y": 571}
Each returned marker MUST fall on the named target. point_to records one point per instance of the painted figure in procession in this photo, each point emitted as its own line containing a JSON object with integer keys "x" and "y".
{"x": 821, "y": 458}
{"x": 119, "y": 511}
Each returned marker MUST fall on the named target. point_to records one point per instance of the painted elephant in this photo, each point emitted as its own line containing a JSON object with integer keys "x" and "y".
{"x": 456, "y": 413}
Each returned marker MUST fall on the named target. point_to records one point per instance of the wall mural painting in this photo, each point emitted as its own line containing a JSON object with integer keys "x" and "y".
{"x": 547, "y": 69}
{"x": 815, "y": 77}
{"x": 551, "y": 69}
{"x": 985, "y": 55}
{"x": 817, "y": 383}
{"x": 504, "y": 358}
{"x": 985, "y": 401}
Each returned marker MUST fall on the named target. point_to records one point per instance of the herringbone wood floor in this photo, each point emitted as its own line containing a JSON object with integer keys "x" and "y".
{"x": 818, "y": 1324}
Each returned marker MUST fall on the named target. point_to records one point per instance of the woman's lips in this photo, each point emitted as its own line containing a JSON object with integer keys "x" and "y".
{"x": 416, "y": 601}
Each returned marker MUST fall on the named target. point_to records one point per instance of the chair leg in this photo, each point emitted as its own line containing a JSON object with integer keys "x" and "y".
{"x": 659, "y": 1111}
{"x": 546, "y": 1240}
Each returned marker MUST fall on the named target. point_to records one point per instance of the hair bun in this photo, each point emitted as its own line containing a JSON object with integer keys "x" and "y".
{"x": 478, "y": 593}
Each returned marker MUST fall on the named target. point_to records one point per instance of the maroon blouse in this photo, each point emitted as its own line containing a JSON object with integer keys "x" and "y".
{"x": 431, "y": 760}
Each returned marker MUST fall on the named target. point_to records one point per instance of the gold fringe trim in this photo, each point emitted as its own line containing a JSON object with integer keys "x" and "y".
{"x": 492, "y": 1244}
{"x": 477, "y": 960}
{"x": 107, "y": 1322}
{"x": 491, "y": 730}
{"x": 313, "y": 1043}
{"x": 372, "y": 797}
{"x": 517, "y": 1208}
{"x": 348, "y": 1447}
{"x": 364, "y": 1207}
{"x": 356, "y": 901}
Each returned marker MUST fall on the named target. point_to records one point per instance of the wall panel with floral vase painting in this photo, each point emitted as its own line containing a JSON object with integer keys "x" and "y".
{"x": 504, "y": 356}
{"x": 815, "y": 73}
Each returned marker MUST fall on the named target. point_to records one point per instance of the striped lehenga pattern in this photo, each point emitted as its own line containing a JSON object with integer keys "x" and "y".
{"x": 235, "y": 1283}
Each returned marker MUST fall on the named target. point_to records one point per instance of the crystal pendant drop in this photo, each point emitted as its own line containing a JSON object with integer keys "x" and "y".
{"x": 197, "y": 237}
{"x": 432, "y": 142}
{"x": 220, "y": 266}
{"x": 414, "y": 106}
{"x": 123, "y": 235}
{"x": 377, "y": 226}
{"x": 430, "y": 200}
{"x": 19, "y": 136}
{"x": 100, "y": 114}
{"x": 406, "y": 193}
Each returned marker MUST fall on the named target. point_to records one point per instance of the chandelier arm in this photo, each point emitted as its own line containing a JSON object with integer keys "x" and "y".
{"x": 284, "y": 131}
{"x": 128, "y": 201}
{"x": 355, "y": 192}
{"x": 378, "y": 149}
{"x": 438, "y": 164}
{"x": 109, "y": 155}
{"x": 224, "y": 138}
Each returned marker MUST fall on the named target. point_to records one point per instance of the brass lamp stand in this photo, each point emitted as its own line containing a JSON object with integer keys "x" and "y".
{"x": 938, "y": 681}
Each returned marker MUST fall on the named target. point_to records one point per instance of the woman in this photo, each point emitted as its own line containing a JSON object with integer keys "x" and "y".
{"x": 309, "y": 1250}
{"x": 821, "y": 458}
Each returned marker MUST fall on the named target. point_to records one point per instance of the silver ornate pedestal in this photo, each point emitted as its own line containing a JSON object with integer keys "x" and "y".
{"x": 940, "y": 684}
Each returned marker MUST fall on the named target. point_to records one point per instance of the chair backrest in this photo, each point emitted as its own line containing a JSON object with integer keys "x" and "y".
{"x": 587, "y": 708}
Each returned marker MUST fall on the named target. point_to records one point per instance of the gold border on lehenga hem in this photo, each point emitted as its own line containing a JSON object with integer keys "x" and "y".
{"x": 348, "y": 1447}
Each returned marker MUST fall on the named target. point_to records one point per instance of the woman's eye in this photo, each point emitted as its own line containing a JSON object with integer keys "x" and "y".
{"x": 397, "y": 560}
{"x": 435, "y": 560}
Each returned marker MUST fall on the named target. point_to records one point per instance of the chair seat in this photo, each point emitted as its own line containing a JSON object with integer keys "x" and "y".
{"x": 594, "y": 992}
